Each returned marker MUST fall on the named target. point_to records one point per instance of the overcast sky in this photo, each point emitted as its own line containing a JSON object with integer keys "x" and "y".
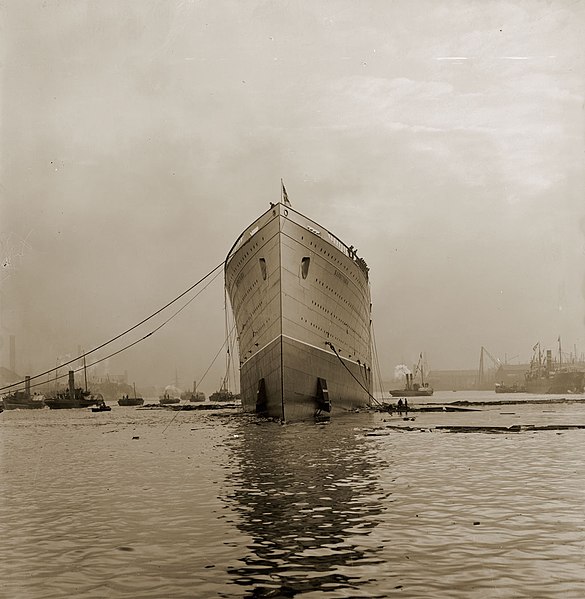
{"x": 444, "y": 139}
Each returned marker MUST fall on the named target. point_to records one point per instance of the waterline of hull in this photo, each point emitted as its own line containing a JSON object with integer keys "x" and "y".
{"x": 294, "y": 395}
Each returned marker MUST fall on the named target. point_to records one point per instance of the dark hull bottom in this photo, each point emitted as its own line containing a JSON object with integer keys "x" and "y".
{"x": 410, "y": 393}
{"x": 564, "y": 382}
{"x": 130, "y": 402}
{"x": 291, "y": 391}
{"x": 68, "y": 405}
{"x": 33, "y": 405}
{"x": 552, "y": 389}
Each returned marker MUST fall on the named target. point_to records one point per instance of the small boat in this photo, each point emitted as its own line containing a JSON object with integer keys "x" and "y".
{"x": 131, "y": 401}
{"x": 193, "y": 396}
{"x": 515, "y": 388}
{"x": 167, "y": 399}
{"x": 23, "y": 400}
{"x": 102, "y": 407}
{"x": 414, "y": 389}
{"x": 223, "y": 395}
{"x": 171, "y": 395}
{"x": 19, "y": 400}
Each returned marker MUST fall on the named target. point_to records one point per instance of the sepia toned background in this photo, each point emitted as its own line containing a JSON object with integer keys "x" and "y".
{"x": 444, "y": 140}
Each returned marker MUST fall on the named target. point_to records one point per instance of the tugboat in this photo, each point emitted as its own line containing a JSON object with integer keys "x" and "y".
{"x": 102, "y": 407}
{"x": 74, "y": 397}
{"x": 171, "y": 395}
{"x": 131, "y": 401}
{"x": 23, "y": 400}
{"x": 414, "y": 389}
{"x": 515, "y": 388}
{"x": 193, "y": 396}
{"x": 224, "y": 394}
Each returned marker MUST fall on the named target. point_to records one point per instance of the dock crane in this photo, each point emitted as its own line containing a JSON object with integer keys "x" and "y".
{"x": 481, "y": 374}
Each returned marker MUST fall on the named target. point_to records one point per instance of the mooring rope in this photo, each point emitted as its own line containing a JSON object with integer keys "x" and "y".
{"x": 36, "y": 376}
{"x": 352, "y": 375}
{"x": 202, "y": 378}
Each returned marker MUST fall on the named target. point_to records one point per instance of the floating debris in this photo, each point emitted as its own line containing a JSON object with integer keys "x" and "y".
{"x": 465, "y": 402}
{"x": 515, "y": 428}
{"x": 425, "y": 408}
{"x": 205, "y": 406}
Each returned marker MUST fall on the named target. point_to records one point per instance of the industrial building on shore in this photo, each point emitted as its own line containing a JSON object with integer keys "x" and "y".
{"x": 474, "y": 380}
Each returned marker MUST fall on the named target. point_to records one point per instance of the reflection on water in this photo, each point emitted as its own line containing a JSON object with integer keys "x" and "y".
{"x": 151, "y": 504}
{"x": 306, "y": 494}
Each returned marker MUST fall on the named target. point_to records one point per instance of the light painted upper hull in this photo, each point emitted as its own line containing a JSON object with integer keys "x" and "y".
{"x": 301, "y": 302}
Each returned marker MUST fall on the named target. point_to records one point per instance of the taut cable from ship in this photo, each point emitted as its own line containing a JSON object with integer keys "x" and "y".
{"x": 132, "y": 328}
{"x": 380, "y": 404}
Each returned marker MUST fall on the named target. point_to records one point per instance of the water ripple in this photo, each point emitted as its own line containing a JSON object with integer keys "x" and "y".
{"x": 226, "y": 506}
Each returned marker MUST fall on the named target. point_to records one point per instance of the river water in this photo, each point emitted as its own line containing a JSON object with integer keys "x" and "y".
{"x": 160, "y": 504}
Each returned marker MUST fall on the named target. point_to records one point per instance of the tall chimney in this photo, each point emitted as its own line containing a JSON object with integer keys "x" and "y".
{"x": 71, "y": 385}
{"x": 27, "y": 385}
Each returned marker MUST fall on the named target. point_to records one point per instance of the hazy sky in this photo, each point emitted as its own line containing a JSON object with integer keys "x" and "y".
{"x": 444, "y": 139}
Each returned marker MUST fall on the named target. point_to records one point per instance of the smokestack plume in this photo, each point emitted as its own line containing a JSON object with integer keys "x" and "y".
{"x": 401, "y": 370}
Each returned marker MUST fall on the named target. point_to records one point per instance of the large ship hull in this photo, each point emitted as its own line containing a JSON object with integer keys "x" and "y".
{"x": 558, "y": 382}
{"x": 301, "y": 303}
{"x": 547, "y": 376}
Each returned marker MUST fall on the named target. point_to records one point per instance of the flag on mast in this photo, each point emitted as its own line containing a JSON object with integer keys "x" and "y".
{"x": 285, "y": 199}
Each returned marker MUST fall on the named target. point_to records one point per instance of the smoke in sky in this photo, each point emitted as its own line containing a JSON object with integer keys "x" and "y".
{"x": 400, "y": 371}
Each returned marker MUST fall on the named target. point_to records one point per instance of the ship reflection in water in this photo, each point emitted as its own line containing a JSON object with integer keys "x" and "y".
{"x": 308, "y": 509}
{"x": 136, "y": 503}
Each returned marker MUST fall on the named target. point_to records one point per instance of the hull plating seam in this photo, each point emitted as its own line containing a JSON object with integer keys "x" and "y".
{"x": 329, "y": 261}
{"x": 360, "y": 364}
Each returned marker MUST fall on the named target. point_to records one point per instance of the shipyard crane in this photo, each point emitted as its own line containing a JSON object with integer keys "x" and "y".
{"x": 496, "y": 362}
